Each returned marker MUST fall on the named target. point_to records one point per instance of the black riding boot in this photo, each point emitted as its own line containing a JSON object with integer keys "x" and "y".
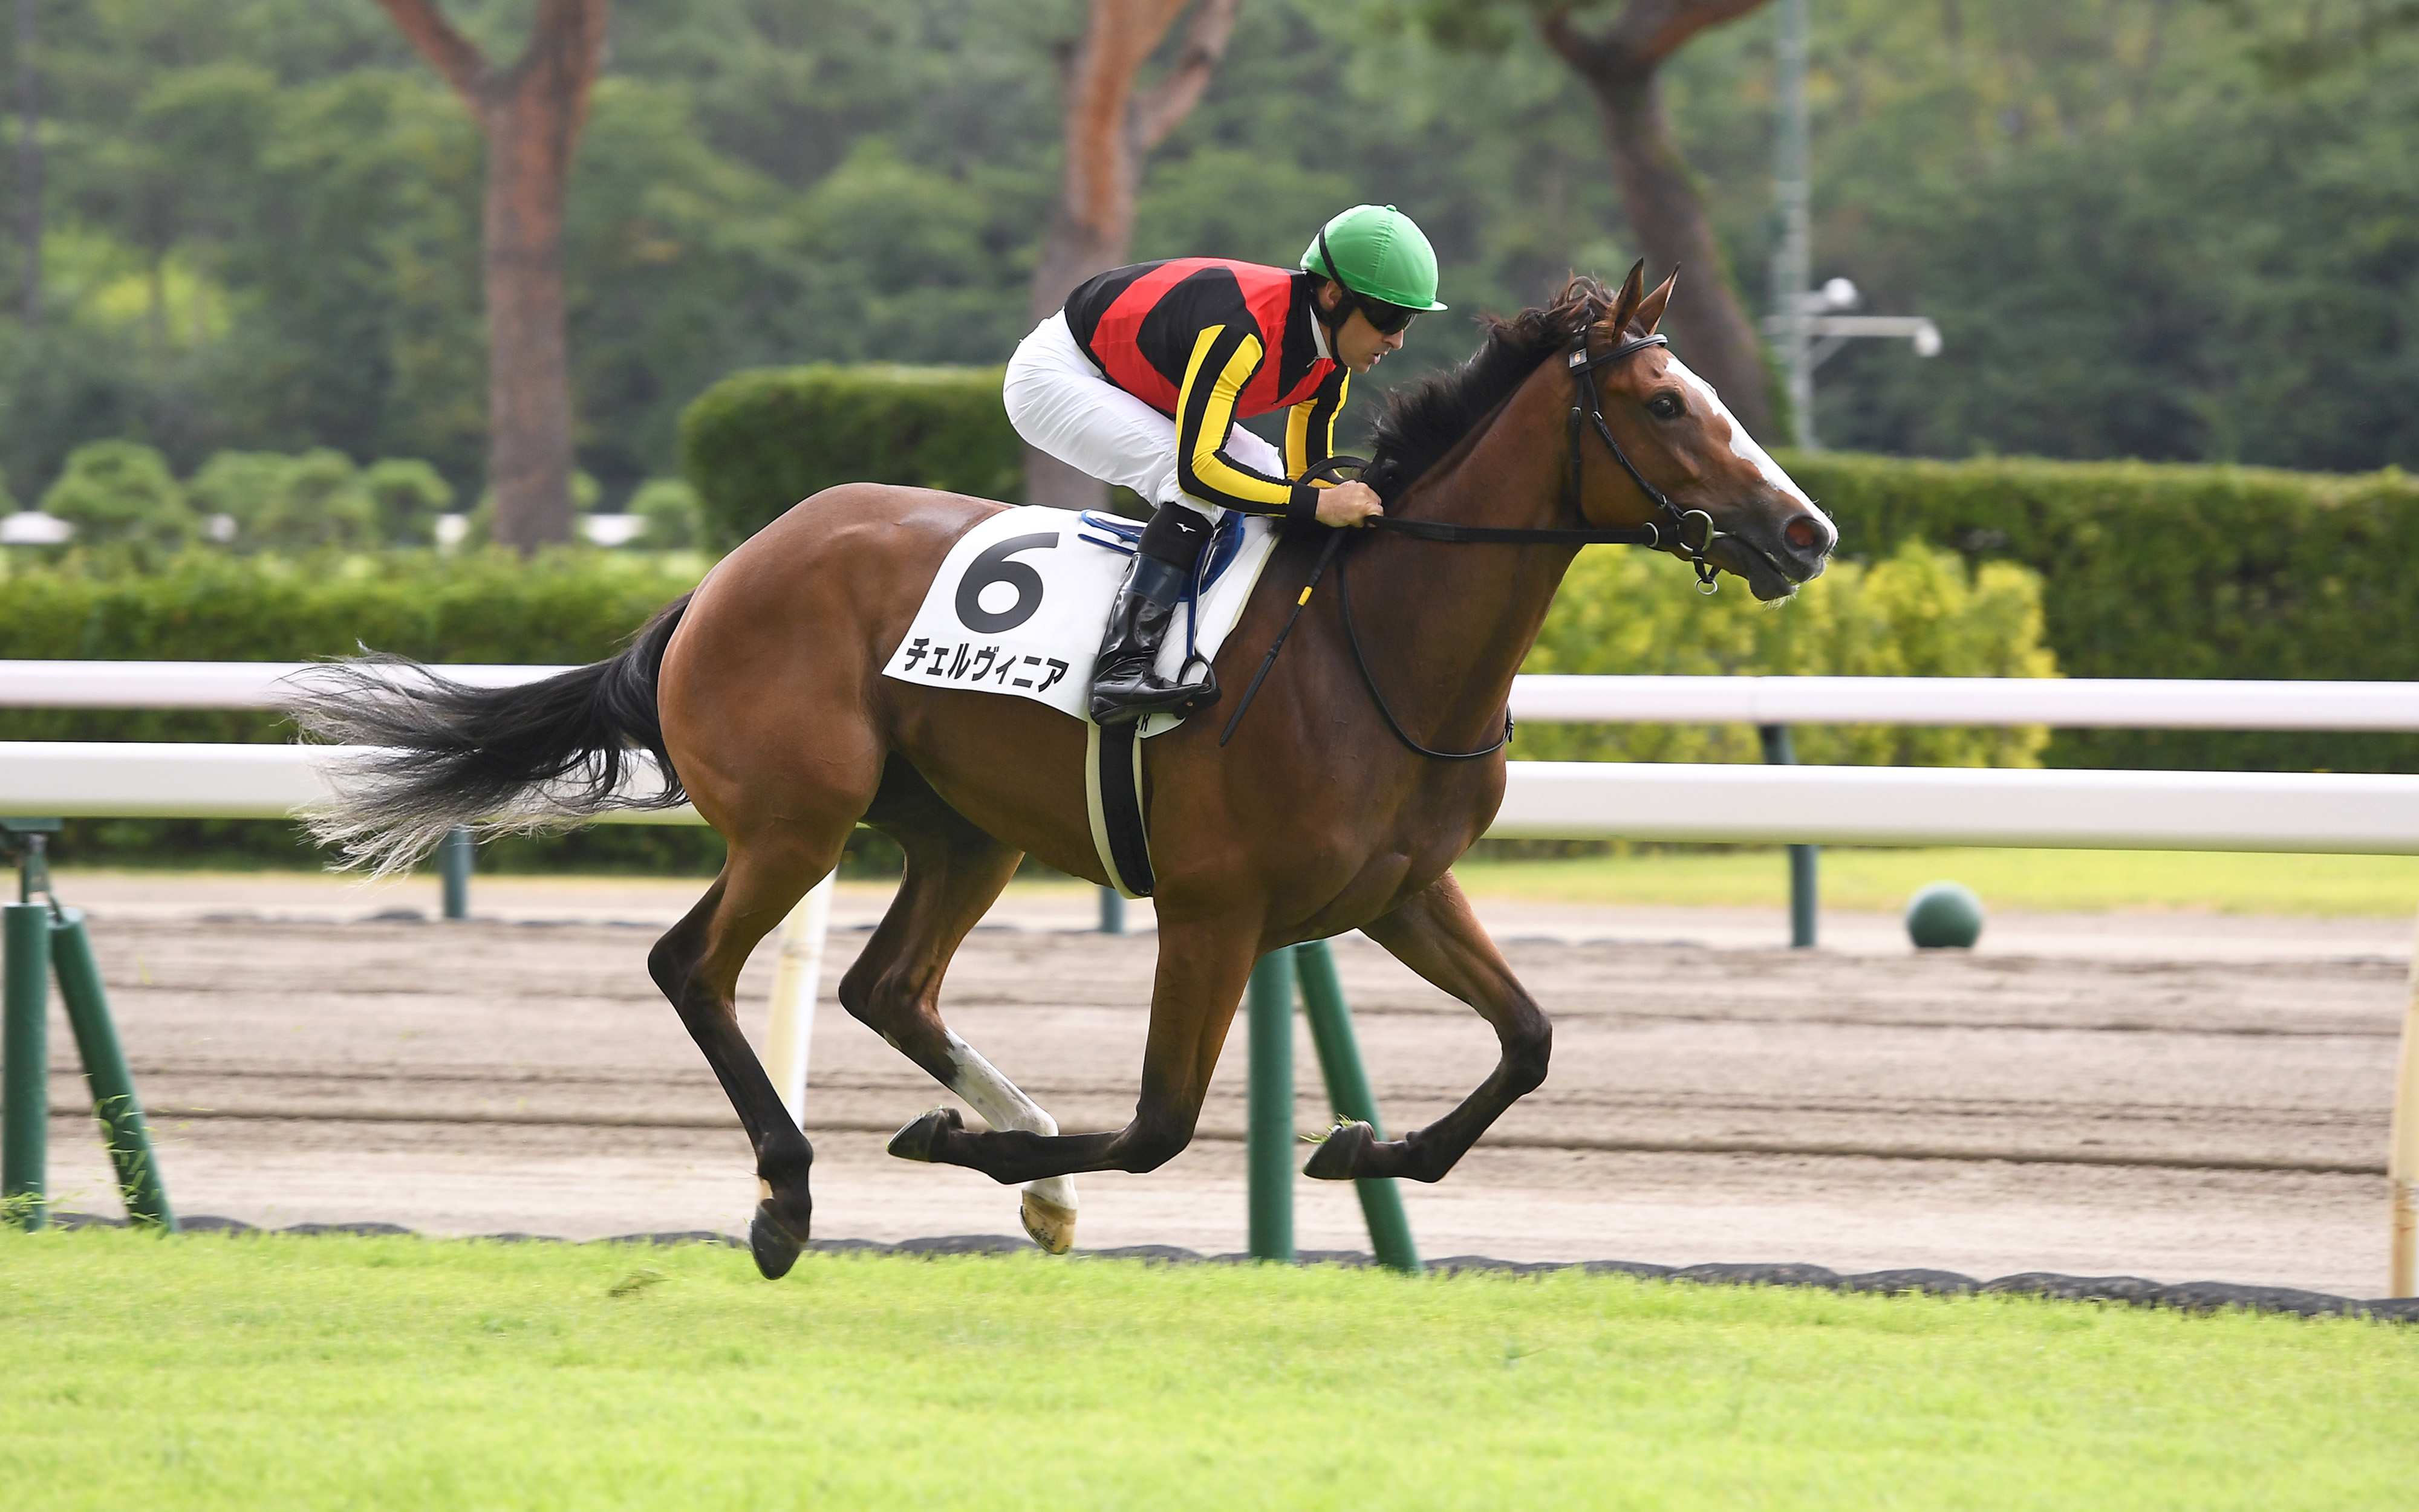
{"x": 1126, "y": 684}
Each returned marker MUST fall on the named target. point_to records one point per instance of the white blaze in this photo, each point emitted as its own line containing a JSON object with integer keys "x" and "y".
{"x": 1744, "y": 446}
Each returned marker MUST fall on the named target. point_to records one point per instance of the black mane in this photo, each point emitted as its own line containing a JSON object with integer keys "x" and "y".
{"x": 1423, "y": 422}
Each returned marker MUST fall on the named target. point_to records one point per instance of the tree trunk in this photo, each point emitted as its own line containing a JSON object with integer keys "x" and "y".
{"x": 1706, "y": 322}
{"x": 530, "y": 115}
{"x": 1109, "y": 131}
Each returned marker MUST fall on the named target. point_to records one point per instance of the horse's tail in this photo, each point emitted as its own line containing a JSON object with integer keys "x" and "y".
{"x": 445, "y": 753}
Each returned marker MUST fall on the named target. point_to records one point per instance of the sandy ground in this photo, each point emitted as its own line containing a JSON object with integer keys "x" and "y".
{"x": 2177, "y": 1097}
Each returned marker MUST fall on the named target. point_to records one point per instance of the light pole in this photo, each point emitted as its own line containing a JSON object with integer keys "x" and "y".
{"x": 1800, "y": 315}
{"x": 1793, "y": 260}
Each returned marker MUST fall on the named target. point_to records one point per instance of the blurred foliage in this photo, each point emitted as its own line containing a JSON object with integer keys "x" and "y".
{"x": 675, "y": 517}
{"x": 759, "y": 441}
{"x": 1919, "y": 612}
{"x": 565, "y": 605}
{"x": 250, "y": 500}
{"x": 2146, "y": 228}
{"x": 120, "y": 495}
{"x": 408, "y": 495}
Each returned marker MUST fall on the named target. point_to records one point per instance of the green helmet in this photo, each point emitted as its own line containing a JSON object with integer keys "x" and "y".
{"x": 1378, "y": 255}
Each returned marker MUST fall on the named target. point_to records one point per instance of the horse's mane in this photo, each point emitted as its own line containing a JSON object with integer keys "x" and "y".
{"x": 1423, "y": 422}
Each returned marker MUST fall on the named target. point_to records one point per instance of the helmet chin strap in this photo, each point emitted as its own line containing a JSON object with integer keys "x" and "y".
{"x": 1332, "y": 321}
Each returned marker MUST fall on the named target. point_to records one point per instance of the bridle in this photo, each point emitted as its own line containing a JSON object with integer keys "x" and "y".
{"x": 1589, "y": 403}
{"x": 1692, "y": 531}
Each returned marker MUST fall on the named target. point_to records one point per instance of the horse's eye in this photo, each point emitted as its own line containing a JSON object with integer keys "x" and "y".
{"x": 1666, "y": 407}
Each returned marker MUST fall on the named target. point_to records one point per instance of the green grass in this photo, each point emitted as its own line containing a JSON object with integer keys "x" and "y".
{"x": 2082, "y": 880}
{"x": 287, "y": 1373}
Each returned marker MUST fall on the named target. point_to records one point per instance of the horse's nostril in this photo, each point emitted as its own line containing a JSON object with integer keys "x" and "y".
{"x": 1803, "y": 532}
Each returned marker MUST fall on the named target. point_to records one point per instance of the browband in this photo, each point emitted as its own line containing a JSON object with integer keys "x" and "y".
{"x": 1582, "y": 362}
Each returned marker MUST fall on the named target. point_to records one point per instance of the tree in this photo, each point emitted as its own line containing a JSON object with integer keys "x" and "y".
{"x": 1619, "y": 65}
{"x": 1109, "y": 131}
{"x": 531, "y": 115}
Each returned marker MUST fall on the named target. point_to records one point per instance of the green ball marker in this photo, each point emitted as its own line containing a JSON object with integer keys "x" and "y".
{"x": 1944, "y": 916}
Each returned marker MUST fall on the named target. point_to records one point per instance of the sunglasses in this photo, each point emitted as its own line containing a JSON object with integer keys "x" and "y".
{"x": 1385, "y": 319}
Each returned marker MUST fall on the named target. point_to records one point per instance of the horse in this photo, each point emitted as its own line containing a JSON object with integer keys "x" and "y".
{"x": 759, "y": 696}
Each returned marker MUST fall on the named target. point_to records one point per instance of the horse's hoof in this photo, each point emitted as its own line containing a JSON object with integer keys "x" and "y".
{"x": 771, "y": 1244}
{"x": 919, "y": 1138}
{"x": 1049, "y": 1225}
{"x": 1339, "y": 1156}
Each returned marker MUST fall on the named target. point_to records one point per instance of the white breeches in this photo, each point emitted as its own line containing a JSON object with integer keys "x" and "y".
{"x": 1058, "y": 402}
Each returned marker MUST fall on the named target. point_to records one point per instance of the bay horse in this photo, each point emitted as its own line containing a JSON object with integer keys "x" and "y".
{"x": 762, "y": 698}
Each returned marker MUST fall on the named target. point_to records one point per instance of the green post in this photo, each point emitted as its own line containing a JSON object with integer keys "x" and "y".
{"x": 1780, "y": 751}
{"x": 1267, "y": 1138}
{"x": 453, "y": 855}
{"x": 104, "y": 1068}
{"x": 1113, "y": 911}
{"x": 1348, "y": 1093}
{"x": 25, "y": 1062}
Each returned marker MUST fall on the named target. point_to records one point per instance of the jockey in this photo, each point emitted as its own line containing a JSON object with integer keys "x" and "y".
{"x": 1140, "y": 381}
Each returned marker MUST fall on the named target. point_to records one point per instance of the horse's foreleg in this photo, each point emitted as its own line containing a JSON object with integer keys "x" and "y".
{"x": 1436, "y": 935}
{"x": 1202, "y": 969}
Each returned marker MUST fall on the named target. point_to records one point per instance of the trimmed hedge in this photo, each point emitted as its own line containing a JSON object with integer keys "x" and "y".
{"x": 759, "y": 441}
{"x": 566, "y": 607}
{"x": 2159, "y": 571}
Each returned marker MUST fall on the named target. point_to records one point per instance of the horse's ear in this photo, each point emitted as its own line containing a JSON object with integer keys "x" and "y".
{"x": 1650, "y": 309}
{"x": 1625, "y": 304}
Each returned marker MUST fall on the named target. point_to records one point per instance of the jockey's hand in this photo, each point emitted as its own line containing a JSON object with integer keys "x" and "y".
{"x": 1348, "y": 504}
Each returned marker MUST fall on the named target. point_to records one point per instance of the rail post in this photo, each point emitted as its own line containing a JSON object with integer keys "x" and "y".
{"x": 797, "y": 976}
{"x": 1113, "y": 911}
{"x": 114, "y": 1103}
{"x": 454, "y": 856}
{"x": 1780, "y": 751}
{"x": 25, "y": 1065}
{"x": 2402, "y": 1157}
{"x": 1268, "y": 1133}
{"x": 1348, "y": 1093}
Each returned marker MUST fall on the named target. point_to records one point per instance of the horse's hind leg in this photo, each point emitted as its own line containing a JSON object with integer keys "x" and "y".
{"x": 954, "y": 873}
{"x": 696, "y": 965}
{"x": 1436, "y": 935}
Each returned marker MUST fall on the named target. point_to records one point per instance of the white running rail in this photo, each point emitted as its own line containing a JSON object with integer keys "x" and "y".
{"x": 2126, "y": 703}
{"x": 2339, "y": 813}
{"x": 2108, "y": 703}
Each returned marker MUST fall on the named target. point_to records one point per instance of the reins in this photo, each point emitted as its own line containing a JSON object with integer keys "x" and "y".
{"x": 1587, "y": 407}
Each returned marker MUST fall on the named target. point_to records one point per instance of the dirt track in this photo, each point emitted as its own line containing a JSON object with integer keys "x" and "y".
{"x": 2092, "y": 1113}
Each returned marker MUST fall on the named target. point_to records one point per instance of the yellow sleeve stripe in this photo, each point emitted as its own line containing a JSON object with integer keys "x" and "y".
{"x": 1210, "y": 465}
{"x": 1300, "y": 450}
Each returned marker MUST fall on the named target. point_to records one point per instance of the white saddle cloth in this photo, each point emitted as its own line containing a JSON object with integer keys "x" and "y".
{"x": 1020, "y": 602}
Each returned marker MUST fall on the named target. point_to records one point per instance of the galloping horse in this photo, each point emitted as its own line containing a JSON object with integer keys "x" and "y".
{"x": 762, "y": 698}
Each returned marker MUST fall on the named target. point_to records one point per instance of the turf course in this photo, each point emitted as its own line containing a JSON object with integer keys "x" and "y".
{"x": 329, "y": 1373}
{"x": 2049, "y": 880}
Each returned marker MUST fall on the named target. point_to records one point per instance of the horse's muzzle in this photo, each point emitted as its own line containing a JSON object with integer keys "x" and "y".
{"x": 1776, "y": 557}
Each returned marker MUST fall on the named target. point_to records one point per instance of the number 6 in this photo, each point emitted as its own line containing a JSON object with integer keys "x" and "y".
{"x": 993, "y": 566}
